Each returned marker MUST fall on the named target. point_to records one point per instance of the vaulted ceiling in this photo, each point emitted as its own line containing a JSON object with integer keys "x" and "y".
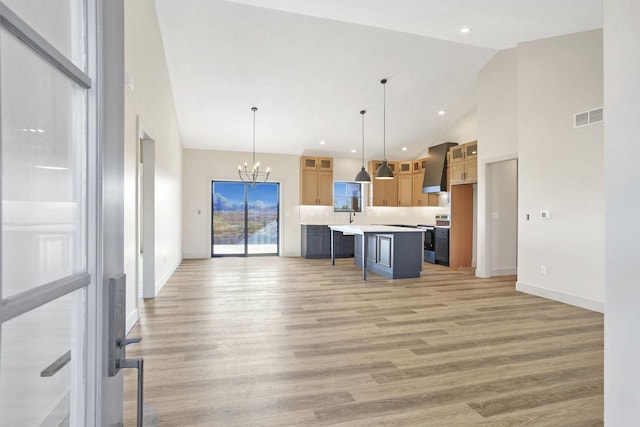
{"x": 310, "y": 66}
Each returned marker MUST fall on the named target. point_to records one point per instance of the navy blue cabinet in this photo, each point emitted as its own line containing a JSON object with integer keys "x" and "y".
{"x": 316, "y": 243}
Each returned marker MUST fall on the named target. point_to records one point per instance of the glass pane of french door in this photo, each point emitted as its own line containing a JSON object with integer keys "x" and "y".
{"x": 262, "y": 218}
{"x": 245, "y": 218}
{"x": 44, "y": 211}
{"x": 228, "y": 218}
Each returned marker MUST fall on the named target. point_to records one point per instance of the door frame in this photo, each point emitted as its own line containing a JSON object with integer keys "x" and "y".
{"x": 145, "y": 220}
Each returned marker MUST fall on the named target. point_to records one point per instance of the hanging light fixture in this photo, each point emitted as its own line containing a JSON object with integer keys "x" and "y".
{"x": 384, "y": 171}
{"x": 363, "y": 175}
{"x": 254, "y": 176}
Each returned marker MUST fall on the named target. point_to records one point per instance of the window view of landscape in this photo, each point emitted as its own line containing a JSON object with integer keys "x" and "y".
{"x": 346, "y": 196}
{"x": 245, "y": 218}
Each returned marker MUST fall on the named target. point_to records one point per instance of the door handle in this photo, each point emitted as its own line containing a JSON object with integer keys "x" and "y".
{"x": 137, "y": 363}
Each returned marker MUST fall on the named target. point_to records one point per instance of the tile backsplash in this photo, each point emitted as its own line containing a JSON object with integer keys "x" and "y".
{"x": 372, "y": 215}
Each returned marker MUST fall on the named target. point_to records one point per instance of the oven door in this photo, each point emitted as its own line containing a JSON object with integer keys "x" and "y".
{"x": 429, "y": 239}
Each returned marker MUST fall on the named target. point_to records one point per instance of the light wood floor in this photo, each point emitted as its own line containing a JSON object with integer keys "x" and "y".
{"x": 273, "y": 341}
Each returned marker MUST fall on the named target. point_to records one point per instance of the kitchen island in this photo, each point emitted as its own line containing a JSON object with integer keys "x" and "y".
{"x": 393, "y": 252}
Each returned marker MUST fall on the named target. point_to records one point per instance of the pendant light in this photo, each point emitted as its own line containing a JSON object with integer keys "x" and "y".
{"x": 363, "y": 175}
{"x": 384, "y": 171}
{"x": 254, "y": 176}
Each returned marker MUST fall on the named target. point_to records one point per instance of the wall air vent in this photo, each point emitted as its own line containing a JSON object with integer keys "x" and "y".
{"x": 588, "y": 118}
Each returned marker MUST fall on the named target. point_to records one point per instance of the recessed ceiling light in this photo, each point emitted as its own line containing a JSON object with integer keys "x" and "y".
{"x": 322, "y": 142}
{"x": 465, "y": 30}
{"x": 442, "y": 112}
{"x": 353, "y": 150}
{"x": 404, "y": 148}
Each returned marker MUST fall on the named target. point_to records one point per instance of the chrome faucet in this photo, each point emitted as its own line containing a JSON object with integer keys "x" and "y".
{"x": 352, "y": 215}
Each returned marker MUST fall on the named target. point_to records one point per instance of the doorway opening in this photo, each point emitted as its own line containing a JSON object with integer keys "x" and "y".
{"x": 146, "y": 217}
{"x": 245, "y": 218}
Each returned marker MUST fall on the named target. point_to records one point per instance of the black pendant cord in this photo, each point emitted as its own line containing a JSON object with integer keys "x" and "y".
{"x": 384, "y": 119}
{"x": 254, "y": 109}
{"x": 362, "y": 112}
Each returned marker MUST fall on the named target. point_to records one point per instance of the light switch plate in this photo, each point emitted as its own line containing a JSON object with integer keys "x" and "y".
{"x": 545, "y": 214}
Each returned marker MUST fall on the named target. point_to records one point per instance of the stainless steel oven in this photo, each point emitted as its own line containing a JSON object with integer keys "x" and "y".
{"x": 429, "y": 243}
{"x": 434, "y": 233}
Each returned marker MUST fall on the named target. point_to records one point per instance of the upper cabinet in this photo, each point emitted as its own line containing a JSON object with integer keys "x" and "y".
{"x": 463, "y": 163}
{"x": 384, "y": 191}
{"x": 316, "y": 181}
{"x": 405, "y": 168}
{"x": 316, "y": 163}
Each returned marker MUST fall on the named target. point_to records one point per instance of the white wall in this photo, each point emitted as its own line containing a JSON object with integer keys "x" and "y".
{"x": 497, "y": 140}
{"x": 622, "y": 180}
{"x": 151, "y": 101}
{"x": 561, "y": 169}
{"x": 203, "y": 166}
{"x": 502, "y": 210}
{"x": 465, "y": 130}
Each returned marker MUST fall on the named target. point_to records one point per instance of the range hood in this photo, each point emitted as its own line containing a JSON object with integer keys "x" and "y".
{"x": 435, "y": 173}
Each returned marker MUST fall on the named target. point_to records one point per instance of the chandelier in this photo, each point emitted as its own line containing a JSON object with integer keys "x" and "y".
{"x": 254, "y": 175}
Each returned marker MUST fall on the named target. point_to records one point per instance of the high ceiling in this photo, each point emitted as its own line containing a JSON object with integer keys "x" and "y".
{"x": 310, "y": 66}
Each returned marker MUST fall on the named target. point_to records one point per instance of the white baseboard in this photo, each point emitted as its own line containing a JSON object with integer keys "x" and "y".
{"x": 505, "y": 271}
{"x": 166, "y": 276}
{"x": 578, "y": 301}
{"x": 132, "y": 319}
{"x": 482, "y": 274}
{"x": 195, "y": 255}
{"x": 290, "y": 254}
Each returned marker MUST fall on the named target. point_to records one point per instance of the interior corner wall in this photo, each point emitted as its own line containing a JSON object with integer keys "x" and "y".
{"x": 464, "y": 130}
{"x": 622, "y": 181}
{"x": 497, "y": 141}
{"x": 149, "y": 99}
{"x": 502, "y": 206}
{"x": 203, "y": 166}
{"x": 561, "y": 170}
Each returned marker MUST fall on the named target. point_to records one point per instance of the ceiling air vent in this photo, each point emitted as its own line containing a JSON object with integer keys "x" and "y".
{"x": 588, "y": 118}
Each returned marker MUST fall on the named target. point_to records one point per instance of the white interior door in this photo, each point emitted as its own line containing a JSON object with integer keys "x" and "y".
{"x": 46, "y": 261}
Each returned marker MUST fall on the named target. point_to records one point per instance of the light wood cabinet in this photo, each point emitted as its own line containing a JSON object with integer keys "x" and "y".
{"x": 419, "y": 166}
{"x": 384, "y": 191}
{"x": 463, "y": 163}
{"x": 419, "y": 198}
{"x": 316, "y": 163}
{"x": 405, "y": 189}
{"x": 316, "y": 181}
{"x": 405, "y": 168}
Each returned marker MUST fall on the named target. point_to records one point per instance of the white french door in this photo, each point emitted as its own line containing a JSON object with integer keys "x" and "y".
{"x": 47, "y": 163}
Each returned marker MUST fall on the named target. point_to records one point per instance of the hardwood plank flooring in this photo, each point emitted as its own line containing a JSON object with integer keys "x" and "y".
{"x": 274, "y": 341}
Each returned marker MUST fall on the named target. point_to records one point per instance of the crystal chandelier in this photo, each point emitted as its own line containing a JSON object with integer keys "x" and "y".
{"x": 254, "y": 175}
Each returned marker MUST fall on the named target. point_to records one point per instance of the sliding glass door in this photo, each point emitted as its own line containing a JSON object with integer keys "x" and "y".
{"x": 245, "y": 218}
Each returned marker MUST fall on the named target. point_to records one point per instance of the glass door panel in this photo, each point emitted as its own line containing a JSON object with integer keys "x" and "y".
{"x": 245, "y": 218}
{"x": 44, "y": 213}
{"x": 43, "y": 144}
{"x": 41, "y": 364}
{"x": 61, "y": 22}
{"x": 262, "y": 219}
{"x": 228, "y": 218}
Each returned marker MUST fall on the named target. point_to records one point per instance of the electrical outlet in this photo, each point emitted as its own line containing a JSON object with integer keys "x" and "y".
{"x": 543, "y": 269}
{"x": 545, "y": 214}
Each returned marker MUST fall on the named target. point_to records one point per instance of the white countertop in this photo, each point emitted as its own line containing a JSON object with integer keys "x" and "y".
{"x": 362, "y": 229}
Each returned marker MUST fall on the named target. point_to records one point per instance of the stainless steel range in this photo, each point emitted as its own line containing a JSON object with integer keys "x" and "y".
{"x": 436, "y": 240}
{"x": 442, "y": 239}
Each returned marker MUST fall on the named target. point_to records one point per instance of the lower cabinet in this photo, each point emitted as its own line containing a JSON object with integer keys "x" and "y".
{"x": 396, "y": 256}
{"x": 316, "y": 243}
